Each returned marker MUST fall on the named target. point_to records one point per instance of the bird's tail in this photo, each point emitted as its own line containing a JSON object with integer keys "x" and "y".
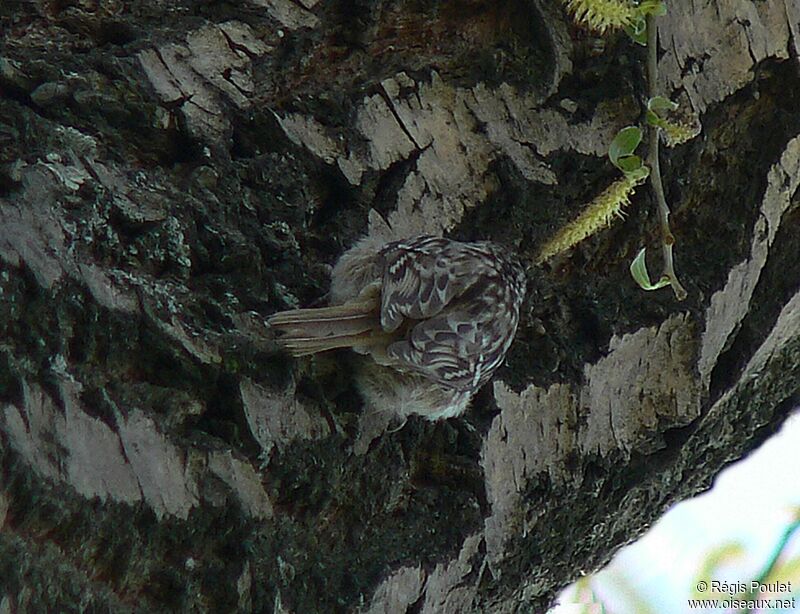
{"x": 308, "y": 331}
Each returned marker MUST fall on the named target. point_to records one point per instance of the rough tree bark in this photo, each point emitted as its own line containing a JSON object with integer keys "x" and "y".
{"x": 173, "y": 172}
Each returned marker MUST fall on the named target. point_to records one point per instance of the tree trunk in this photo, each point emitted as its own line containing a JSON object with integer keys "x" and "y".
{"x": 173, "y": 173}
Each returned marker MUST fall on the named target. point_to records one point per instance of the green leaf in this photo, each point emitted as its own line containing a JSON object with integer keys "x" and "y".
{"x": 629, "y": 164}
{"x": 639, "y": 39}
{"x": 654, "y": 120}
{"x": 657, "y": 8}
{"x": 661, "y": 103}
{"x": 624, "y": 144}
{"x": 639, "y": 174}
{"x": 637, "y": 30}
{"x": 642, "y": 277}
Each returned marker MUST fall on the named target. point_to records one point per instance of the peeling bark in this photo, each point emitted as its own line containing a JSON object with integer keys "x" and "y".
{"x": 170, "y": 176}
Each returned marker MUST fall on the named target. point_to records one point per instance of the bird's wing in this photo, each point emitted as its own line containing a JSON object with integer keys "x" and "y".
{"x": 458, "y": 308}
{"x": 420, "y": 278}
{"x": 454, "y": 348}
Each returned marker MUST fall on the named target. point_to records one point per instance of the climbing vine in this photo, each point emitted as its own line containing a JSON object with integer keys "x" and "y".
{"x": 663, "y": 117}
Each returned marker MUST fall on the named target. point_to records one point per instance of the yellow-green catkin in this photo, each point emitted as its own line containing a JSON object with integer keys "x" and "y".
{"x": 601, "y": 15}
{"x": 596, "y": 216}
{"x": 677, "y": 132}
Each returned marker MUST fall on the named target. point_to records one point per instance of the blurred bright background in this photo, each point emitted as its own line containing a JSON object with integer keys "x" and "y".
{"x": 747, "y": 527}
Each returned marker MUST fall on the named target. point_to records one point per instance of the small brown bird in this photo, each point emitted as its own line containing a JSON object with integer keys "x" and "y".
{"x": 436, "y": 318}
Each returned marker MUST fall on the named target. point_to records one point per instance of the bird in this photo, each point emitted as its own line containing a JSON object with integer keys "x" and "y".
{"x": 433, "y": 319}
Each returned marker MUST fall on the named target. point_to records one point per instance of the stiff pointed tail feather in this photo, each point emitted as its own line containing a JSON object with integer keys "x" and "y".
{"x": 309, "y": 331}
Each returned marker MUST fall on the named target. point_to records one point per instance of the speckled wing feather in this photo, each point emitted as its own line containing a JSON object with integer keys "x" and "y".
{"x": 420, "y": 277}
{"x": 461, "y": 302}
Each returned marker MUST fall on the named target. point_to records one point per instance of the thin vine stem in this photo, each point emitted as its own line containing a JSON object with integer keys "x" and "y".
{"x": 667, "y": 238}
